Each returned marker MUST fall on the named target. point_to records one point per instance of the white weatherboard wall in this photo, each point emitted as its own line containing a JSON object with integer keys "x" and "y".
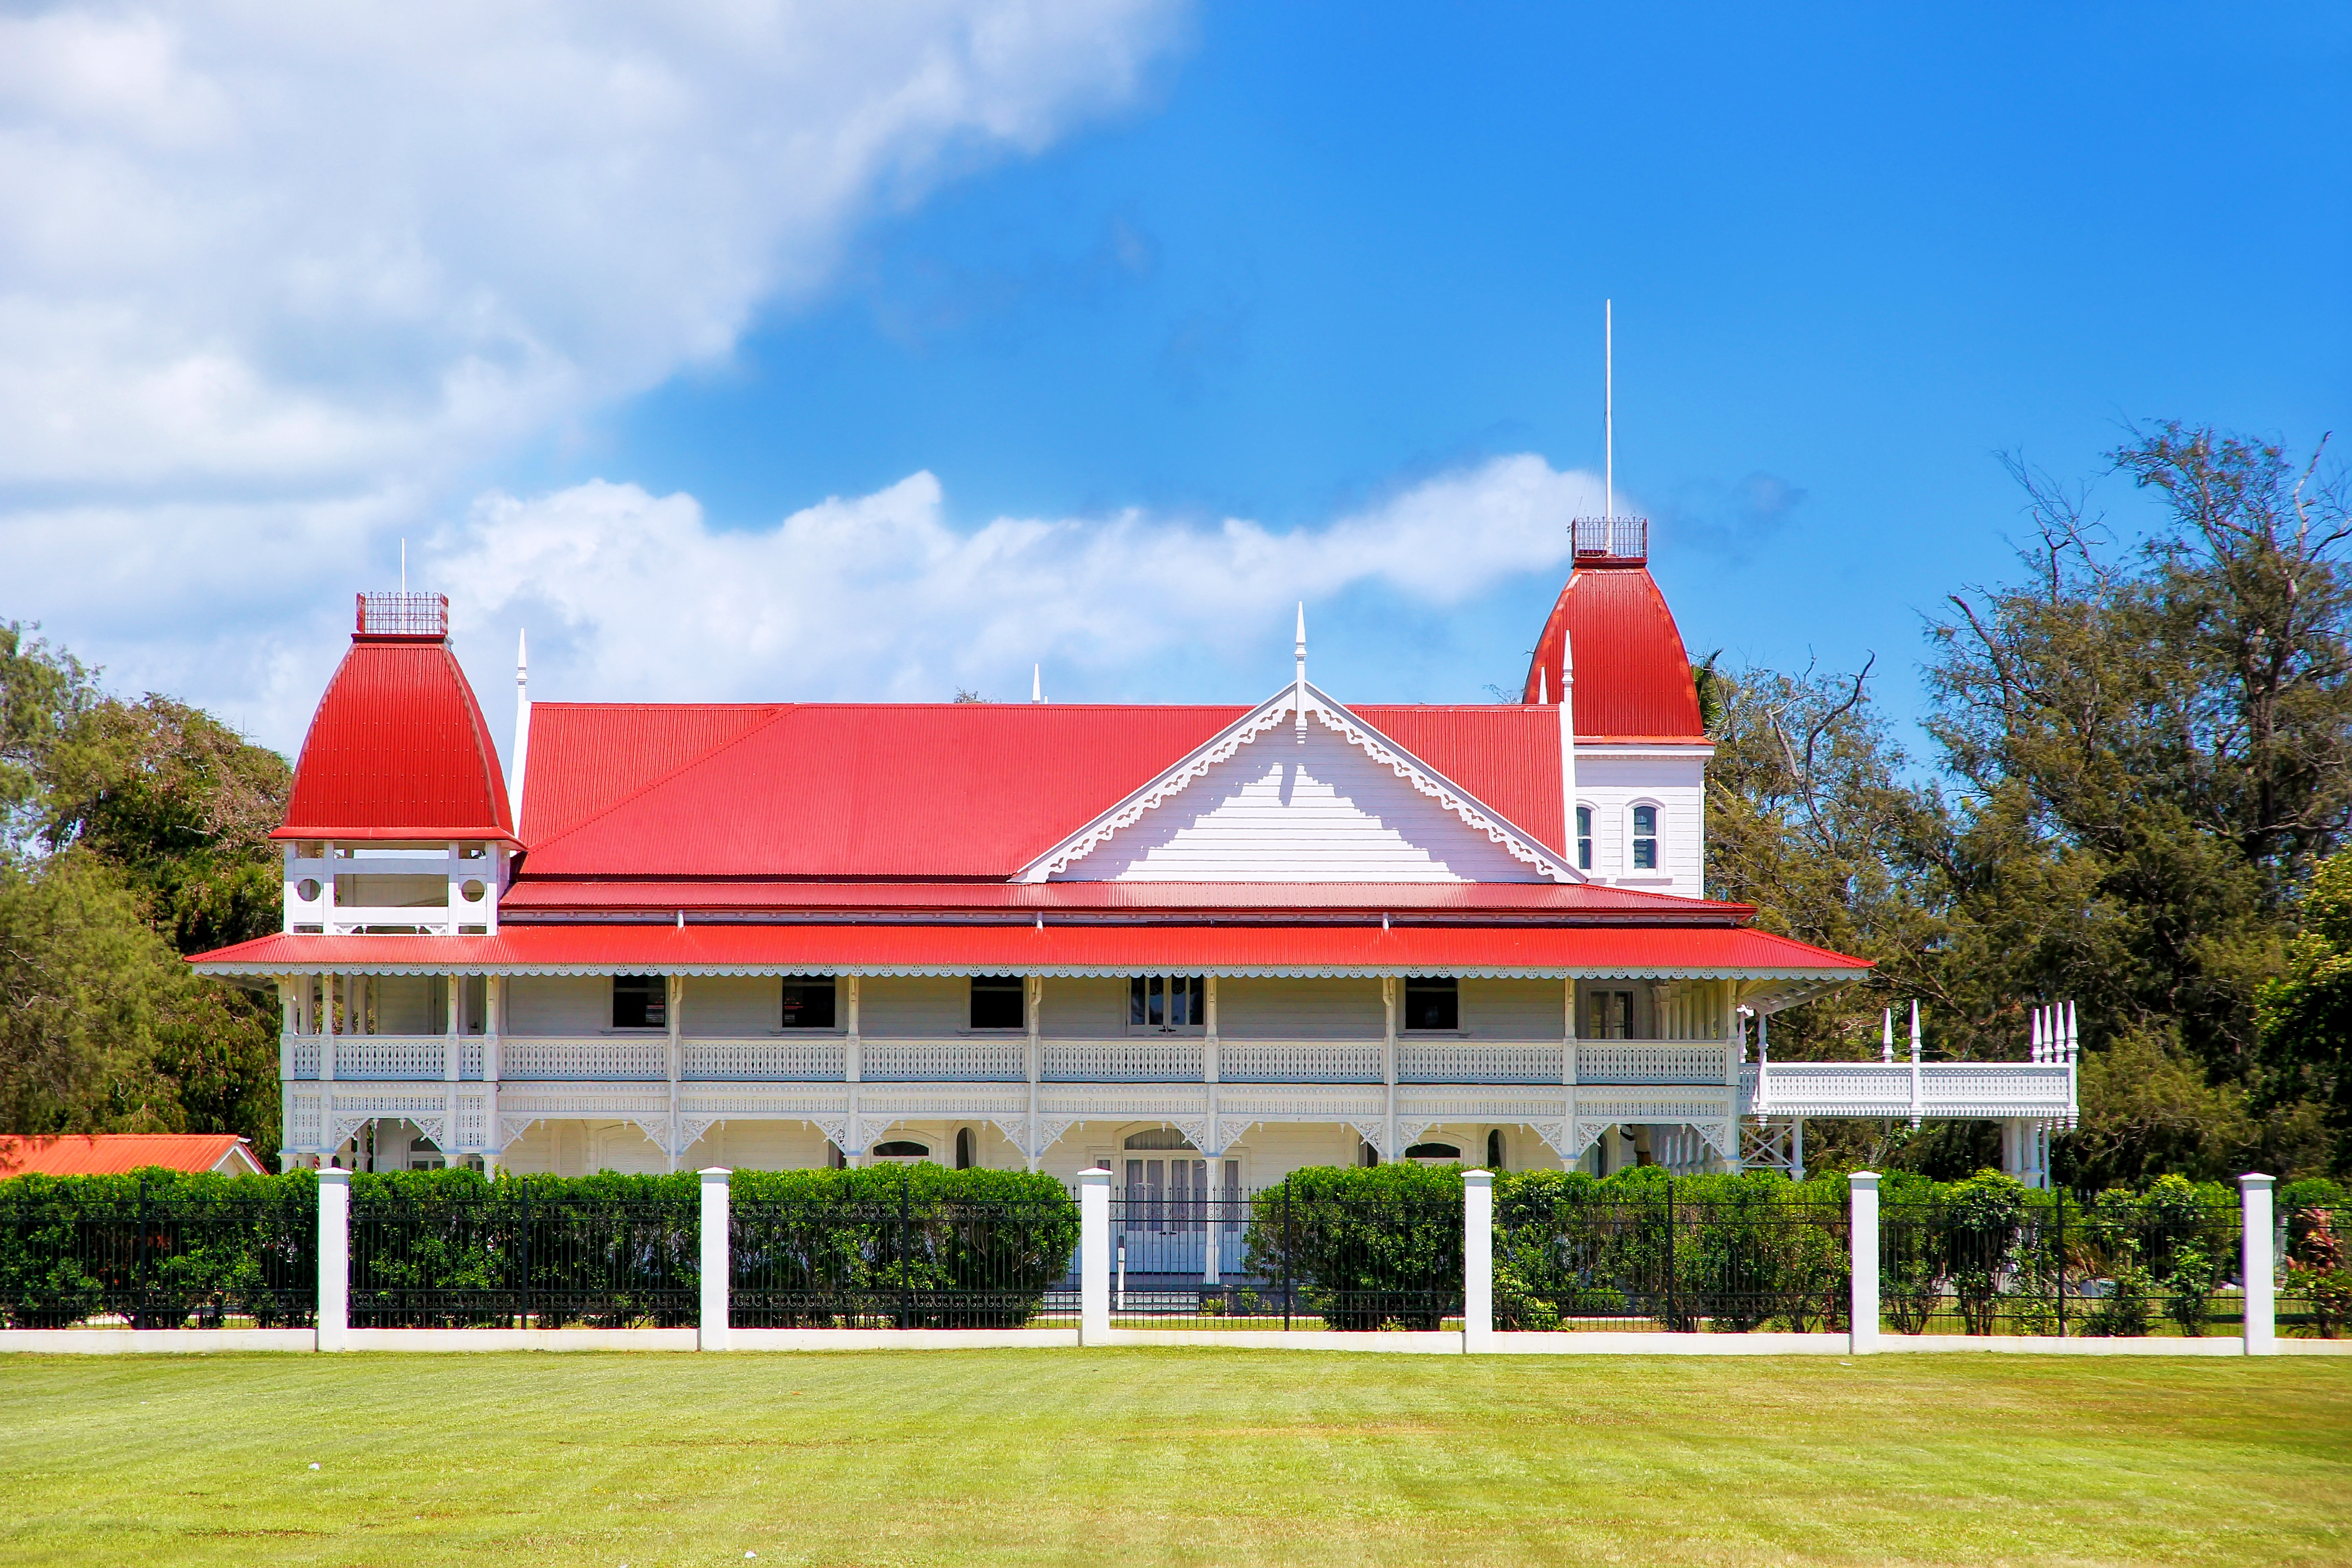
{"x": 1280, "y": 812}
{"x": 1613, "y": 781}
{"x": 1513, "y": 1009}
{"x": 1082, "y": 1009}
{"x": 733, "y": 1005}
{"x": 912, "y": 1007}
{"x": 1300, "y": 1010}
{"x": 558, "y": 1003}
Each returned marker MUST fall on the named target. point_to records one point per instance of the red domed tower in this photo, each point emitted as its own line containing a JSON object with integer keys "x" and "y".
{"x": 399, "y": 818}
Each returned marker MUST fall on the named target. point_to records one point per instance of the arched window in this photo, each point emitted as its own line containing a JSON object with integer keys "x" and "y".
{"x": 963, "y": 1148}
{"x": 1495, "y": 1149}
{"x": 902, "y": 1149}
{"x": 1584, "y": 839}
{"x": 1158, "y": 1138}
{"x": 1645, "y": 838}
{"x": 1435, "y": 1153}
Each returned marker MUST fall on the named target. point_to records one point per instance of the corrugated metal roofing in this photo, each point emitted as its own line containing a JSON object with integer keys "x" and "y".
{"x": 1074, "y": 949}
{"x": 907, "y": 790}
{"x": 398, "y": 750}
{"x": 1581, "y": 902}
{"x": 119, "y": 1153}
{"x": 1632, "y": 674}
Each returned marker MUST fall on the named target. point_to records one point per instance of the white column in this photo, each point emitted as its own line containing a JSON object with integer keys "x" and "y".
{"x": 715, "y": 1258}
{"x": 334, "y": 1260}
{"x": 675, "y": 986}
{"x": 328, "y": 986}
{"x": 1390, "y": 1149}
{"x": 853, "y": 1067}
{"x": 1477, "y": 1261}
{"x": 1094, "y": 1256}
{"x": 1032, "y": 1056}
{"x": 2257, "y": 1264}
{"x": 493, "y": 1004}
{"x": 1862, "y": 1188}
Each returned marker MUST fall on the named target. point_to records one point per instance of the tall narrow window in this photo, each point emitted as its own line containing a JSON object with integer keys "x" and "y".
{"x": 1645, "y": 838}
{"x": 1495, "y": 1149}
{"x": 997, "y": 1002}
{"x": 640, "y": 1001}
{"x": 1166, "y": 1002}
{"x": 963, "y": 1148}
{"x": 1431, "y": 1002}
{"x": 1584, "y": 839}
{"x": 808, "y": 1002}
{"x": 1608, "y": 1014}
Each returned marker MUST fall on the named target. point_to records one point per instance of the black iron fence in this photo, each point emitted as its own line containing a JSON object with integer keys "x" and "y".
{"x": 160, "y": 1252}
{"x": 2314, "y": 1287}
{"x": 911, "y": 1257}
{"x": 1569, "y": 1256}
{"x": 1985, "y": 1258}
{"x": 527, "y": 1252}
{"x": 1324, "y": 1249}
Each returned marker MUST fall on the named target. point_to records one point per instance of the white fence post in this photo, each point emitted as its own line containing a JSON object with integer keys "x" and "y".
{"x": 1094, "y": 1256}
{"x": 334, "y": 1260}
{"x": 1477, "y": 1261}
{"x": 1861, "y": 1322}
{"x": 2258, "y": 1266}
{"x": 715, "y": 1258}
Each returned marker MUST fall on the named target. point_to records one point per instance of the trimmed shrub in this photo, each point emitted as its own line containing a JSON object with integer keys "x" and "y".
{"x": 1373, "y": 1248}
{"x": 159, "y": 1248}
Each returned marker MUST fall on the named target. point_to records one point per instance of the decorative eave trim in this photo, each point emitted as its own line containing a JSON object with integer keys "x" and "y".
{"x": 1815, "y": 979}
{"x": 1474, "y": 813}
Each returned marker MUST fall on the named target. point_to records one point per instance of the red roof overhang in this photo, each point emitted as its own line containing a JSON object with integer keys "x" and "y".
{"x": 533, "y": 898}
{"x": 1236, "y": 947}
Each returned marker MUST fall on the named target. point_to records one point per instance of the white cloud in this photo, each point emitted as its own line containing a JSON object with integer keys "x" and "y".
{"x": 332, "y": 243}
{"x": 628, "y": 595}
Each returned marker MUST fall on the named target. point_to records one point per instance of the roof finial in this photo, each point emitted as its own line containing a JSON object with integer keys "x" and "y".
{"x": 1543, "y": 692}
{"x": 522, "y": 658}
{"x": 521, "y": 753}
{"x": 1298, "y": 697}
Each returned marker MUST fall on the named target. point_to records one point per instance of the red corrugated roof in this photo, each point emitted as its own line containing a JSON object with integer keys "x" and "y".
{"x": 1579, "y": 901}
{"x": 907, "y": 791}
{"x": 1124, "y": 949}
{"x": 117, "y": 1154}
{"x": 1633, "y": 675}
{"x": 398, "y": 750}
{"x": 1505, "y": 754}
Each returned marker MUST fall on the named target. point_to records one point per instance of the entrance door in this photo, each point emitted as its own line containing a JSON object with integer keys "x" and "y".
{"x": 1181, "y": 1218}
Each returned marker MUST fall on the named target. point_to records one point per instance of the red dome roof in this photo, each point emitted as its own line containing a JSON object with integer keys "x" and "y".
{"x": 398, "y": 750}
{"x": 1633, "y": 676}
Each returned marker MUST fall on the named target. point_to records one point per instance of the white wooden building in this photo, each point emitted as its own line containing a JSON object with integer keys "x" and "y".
{"x": 1236, "y": 940}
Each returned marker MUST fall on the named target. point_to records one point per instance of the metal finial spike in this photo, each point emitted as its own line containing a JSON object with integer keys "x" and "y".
{"x": 1298, "y": 694}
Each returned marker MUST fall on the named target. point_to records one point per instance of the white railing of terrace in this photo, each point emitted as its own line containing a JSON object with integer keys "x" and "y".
{"x": 826, "y": 1058}
{"x": 1932, "y": 1089}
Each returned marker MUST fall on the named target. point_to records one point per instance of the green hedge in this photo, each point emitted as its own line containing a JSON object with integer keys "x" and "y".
{"x": 906, "y": 1245}
{"x": 160, "y": 1249}
{"x": 454, "y": 1249}
{"x": 1360, "y": 1248}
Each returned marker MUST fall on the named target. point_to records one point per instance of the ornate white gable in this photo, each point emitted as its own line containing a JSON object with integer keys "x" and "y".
{"x": 1270, "y": 801}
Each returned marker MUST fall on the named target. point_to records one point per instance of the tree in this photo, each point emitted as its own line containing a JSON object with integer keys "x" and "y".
{"x": 2306, "y": 1012}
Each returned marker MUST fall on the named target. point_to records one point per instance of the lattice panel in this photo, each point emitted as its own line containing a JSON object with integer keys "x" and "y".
{"x": 942, "y": 1061}
{"x": 1448, "y": 1062}
{"x": 305, "y": 1054}
{"x": 583, "y": 1061}
{"x": 470, "y": 1058}
{"x": 1604, "y": 1062}
{"x": 1171, "y": 1060}
{"x": 362, "y": 1057}
{"x": 822, "y": 1059}
{"x": 302, "y": 1125}
{"x": 1317, "y": 1061}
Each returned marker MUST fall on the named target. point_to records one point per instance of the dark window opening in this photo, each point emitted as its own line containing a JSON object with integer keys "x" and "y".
{"x": 1167, "y": 1002}
{"x": 902, "y": 1149}
{"x": 1433, "y": 1002}
{"x": 1609, "y": 1015}
{"x": 1494, "y": 1150}
{"x": 1584, "y": 839}
{"x": 640, "y": 1001}
{"x": 1367, "y": 1156}
{"x": 1645, "y": 838}
{"x": 808, "y": 1001}
{"x": 997, "y": 1002}
{"x": 1433, "y": 1151}
{"x": 963, "y": 1148}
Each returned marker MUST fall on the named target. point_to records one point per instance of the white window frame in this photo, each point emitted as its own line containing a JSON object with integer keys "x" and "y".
{"x": 1581, "y": 849}
{"x": 1657, "y": 867}
{"x": 1195, "y": 1029}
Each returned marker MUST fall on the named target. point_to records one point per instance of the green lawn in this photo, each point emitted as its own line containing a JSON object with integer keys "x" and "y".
{"x": 1154, "y": 1456}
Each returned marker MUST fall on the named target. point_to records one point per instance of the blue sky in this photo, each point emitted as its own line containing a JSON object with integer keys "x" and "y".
{"x": 1301, "y": 262}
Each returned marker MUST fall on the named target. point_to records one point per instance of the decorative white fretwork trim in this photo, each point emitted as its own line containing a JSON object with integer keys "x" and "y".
{"x": 690, "y": 1130}
{"x": 1554, "y": 1133}
{"x": 1411, "y": 1128}
{"x": 513, "y": 1127}
{"x": 1415, "y": 773}
{"x": 1374, "y": 1129}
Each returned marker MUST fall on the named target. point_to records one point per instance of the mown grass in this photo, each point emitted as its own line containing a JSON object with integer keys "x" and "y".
{"x": 1172, "y": 1456}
